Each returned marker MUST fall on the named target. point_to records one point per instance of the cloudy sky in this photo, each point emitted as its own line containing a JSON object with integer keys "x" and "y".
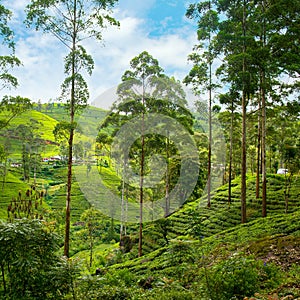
{"x": 157, "y": 26}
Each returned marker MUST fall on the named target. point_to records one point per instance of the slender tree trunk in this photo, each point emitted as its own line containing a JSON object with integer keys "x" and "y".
{"x": 263, "y": 150}
{"x": 140, "y": 247}
{"x": 209, "y": 150}
{"x": 230, "y": 158}
{"x": 140, "y": 250}
{"x": 244, "y": 162}
{"x": 167, "y": 179}
{"x": 123, "y": 202}
{"x": 263, "y": 124}
{"x": 257, "y": 189}
{"x": 244, "y": 129}
{"x": 209, "y": 121}
{"x": 70, "y": 143}
{"x": 209, "y": 131}
{"x": 68, "y": 202}
{"x": 126, "y": 209}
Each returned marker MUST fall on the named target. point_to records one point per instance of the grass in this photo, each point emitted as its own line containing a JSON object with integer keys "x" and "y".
{"x": 100, "y": 254}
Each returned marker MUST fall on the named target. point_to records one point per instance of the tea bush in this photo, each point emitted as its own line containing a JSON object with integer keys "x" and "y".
{"x": 238, "y": 277}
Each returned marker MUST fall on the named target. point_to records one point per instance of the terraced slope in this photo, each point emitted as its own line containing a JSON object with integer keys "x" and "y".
{"x": 79, "y": 202}
{"x": 256, "y": 237}
{"x": 221, "y": 216}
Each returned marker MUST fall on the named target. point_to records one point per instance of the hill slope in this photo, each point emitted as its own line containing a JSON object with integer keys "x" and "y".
{"x": 206, "y": 253}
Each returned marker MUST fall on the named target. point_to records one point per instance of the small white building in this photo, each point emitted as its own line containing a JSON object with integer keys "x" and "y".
{"x": 282, "y": 171}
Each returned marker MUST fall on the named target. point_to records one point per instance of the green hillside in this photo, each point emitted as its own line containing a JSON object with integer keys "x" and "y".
{"x": 10, "y": 189}
{"x": 193, "y": 243}
{"x": 199, "y": 244}
{"x": 189, "y": 254}
{"x": 89, "y": 118}
{"x": 49, "y": 176}
{"x": 260, "y": 258}
{"x": 44, "y": 129}
{"x": 221, "y": 216}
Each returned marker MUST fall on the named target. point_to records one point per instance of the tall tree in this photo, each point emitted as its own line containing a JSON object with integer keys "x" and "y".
{"x": 234, "y": 42}
{"x": 201, "y": 73}
{"x": 144, "y": 68}
{"x": 244, "y": 115}
{"x": 264, "y": 60}
{"x": 258, "y": 42}
{"x": 144, "y": 93}
{"x": 272, "y": 22}
{"x": 72, "y": 22}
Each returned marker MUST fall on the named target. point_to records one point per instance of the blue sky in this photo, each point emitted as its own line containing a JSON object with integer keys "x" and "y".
{"x": 159, "y": 27}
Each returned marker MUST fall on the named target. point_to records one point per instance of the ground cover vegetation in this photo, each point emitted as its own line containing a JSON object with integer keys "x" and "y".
{"x": 237, "y": 235}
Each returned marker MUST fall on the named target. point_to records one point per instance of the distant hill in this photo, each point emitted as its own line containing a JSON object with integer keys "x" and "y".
{"x": 45, "y": 126}
{"x": 88, "y": 119}
{"x": 45, "y": 117}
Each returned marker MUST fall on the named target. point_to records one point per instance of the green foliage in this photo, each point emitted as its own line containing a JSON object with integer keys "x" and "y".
{"x": 29, "y": 262}
{"x": 240, "y": 276}
{"x": 5, "y": 31}
{"x": 117, "y": 285}
{"x": 163, "y": 226}
{"x": 7, "y": 62}
{"x": 65, "y": 276}
{"x": 93, "y": 223}
{"x": 180, "y": 252}
{"x": 142, "y": 67}
{"x": 105, "y": 293}
{"x": 171, "y": 292}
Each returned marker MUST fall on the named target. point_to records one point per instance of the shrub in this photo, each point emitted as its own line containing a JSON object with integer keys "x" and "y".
{"x": 167, "y": 295}
{"x": 30, "y": 266}
{"x": 116, "y": 286}
{"x": 235, "y": 277}
{"x": 239, "y": 277}
{"x": 93, "y": 290}
{"x": 180, "y": 252}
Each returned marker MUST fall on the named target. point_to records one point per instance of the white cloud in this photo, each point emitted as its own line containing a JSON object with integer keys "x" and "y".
{"x": 42, "y": 55}
{"x": 131, "y": 39}
{"x": 41, "y": 75}
{"x": 15, "y": 5}
{"x": 134, "y": 7}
